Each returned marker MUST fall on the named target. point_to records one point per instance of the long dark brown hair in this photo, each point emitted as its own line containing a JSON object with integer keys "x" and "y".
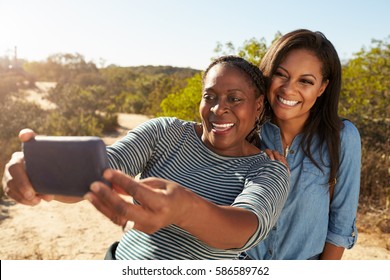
{"x": 324, "y": 120}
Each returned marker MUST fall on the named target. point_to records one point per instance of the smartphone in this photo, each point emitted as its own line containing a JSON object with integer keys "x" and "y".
{"x": 65, "y": 165}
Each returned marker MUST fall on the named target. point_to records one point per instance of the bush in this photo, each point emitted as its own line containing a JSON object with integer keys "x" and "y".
{"x": 16, "y": 115}
{"x": 375, "y": 173}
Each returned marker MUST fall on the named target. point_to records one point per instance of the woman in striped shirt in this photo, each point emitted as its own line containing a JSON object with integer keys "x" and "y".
{"x": 205, "y": 191}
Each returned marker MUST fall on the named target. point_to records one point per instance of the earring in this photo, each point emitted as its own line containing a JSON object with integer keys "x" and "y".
{"x": 258, "y": 124}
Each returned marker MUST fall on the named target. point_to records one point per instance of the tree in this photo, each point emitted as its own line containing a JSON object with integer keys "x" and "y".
{"x": 252, "y": 50}
{"x": 365, "y": 99}
{"x": 16, "y": 115}
{"x": 80, "y": 111}
{"x": 60, "y": 68}
{"x": 366, "y": 84}
{"x": 184, "y": 103}
{"x": 160, "y": 91}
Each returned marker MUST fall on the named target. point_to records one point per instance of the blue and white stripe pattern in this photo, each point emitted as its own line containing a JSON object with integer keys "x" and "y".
{"x": 170, "y": 148}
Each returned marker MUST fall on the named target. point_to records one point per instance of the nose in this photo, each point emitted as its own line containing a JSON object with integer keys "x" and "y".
{"x": 289, "y": 87}
{"x": 220, "y": 107}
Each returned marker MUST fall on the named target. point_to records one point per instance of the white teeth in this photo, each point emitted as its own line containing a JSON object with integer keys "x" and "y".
{"x": 288, "y": 102}
{"x": 222, "y": 126}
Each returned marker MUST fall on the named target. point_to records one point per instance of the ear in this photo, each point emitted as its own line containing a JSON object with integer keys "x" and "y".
{"x": 259, "y": 103}
{"x": 322, "y": 88}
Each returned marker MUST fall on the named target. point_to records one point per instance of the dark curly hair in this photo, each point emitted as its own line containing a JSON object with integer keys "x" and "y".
{"x": 255, "y": 76}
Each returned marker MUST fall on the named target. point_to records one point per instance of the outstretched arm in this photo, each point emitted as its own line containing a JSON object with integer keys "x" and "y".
{"x": 163, "y": 202}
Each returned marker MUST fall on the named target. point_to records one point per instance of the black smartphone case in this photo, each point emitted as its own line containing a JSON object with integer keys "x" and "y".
{"x": 65, "y": 165}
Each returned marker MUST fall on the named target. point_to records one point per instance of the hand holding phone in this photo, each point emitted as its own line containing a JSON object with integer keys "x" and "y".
{"x": 65, "y": 165}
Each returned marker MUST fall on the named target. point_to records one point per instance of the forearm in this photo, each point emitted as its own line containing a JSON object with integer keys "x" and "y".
{"x": 162, "y": 203}
{"x": 222, "y": 227}
{"x": 332, "y": 252}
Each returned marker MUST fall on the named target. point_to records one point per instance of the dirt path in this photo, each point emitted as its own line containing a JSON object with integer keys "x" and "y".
{"x": 126, "y": 123}
{"x": 61, "y": 231}
{"x": 64, "y": 232}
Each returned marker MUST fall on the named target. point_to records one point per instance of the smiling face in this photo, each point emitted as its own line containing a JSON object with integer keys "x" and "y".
{"x": 229, "y": 108}
{"x": 295, "y": 87}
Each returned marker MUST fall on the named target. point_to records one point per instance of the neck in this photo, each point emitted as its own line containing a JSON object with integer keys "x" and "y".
{"x": 288, "y": 130}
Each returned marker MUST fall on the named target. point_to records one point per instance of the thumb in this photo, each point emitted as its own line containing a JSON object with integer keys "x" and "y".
{"x": 26, "y": 134}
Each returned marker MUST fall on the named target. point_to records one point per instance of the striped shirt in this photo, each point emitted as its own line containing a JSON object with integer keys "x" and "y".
{"x": 170, "y": 148}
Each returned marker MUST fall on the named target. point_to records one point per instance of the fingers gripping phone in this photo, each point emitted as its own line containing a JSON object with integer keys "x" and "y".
{"x": 65, "y": 165}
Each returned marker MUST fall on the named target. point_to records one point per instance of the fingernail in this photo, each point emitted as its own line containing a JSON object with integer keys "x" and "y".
{"x": 95, "y": 187}
{"x": 107, "y": 174}
{"x": 29, "y": 195}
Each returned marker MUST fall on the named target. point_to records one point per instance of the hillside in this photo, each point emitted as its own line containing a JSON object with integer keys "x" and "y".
{"x": 60, "y": 231}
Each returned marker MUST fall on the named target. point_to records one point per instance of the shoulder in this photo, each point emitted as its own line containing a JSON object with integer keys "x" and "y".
{"x": 164, "y": 122}
{"x": 349, "y": 129}
{"x": 265, "y": 172}
{"x": 272, "y": 175}
{"x": 349, "y": 133}
{"x": 269, "y": 127}
{"x": 262, "y": 163}
{"x": 350, "y": 139}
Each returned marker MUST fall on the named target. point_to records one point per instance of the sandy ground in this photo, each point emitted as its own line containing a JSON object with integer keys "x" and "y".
{"x": 78, "y": 231}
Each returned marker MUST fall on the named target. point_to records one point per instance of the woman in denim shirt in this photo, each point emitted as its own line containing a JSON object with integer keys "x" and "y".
{"x": 318, "y": 220}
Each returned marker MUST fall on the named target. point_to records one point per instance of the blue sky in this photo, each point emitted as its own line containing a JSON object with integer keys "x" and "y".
{"x": 180, "y": 33}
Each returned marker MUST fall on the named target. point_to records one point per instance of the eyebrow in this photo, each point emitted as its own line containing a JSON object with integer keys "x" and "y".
{"x": 304, "y": 75}
{"x": 211, "y": 89}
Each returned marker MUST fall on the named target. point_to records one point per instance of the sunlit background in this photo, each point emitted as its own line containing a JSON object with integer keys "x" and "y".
{"x": 80, "y": 67}
{"x": 177, "y": 32}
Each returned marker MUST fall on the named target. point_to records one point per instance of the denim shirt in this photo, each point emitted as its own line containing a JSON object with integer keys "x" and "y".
{"x": 305, "y": 223}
